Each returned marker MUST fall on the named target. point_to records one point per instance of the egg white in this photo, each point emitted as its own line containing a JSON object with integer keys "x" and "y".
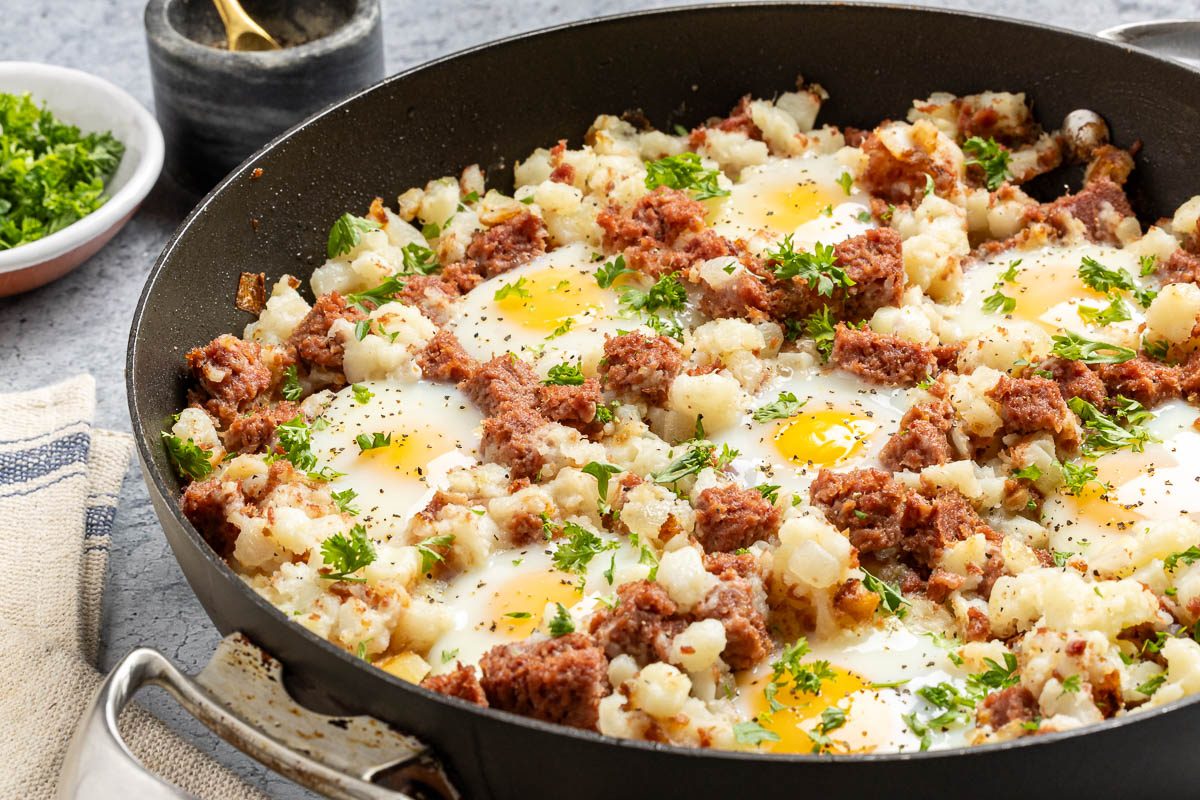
{"x": 434, "y": 428}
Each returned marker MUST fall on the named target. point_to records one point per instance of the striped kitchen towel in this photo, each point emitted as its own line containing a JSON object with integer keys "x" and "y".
{"x": 59, "y": 483}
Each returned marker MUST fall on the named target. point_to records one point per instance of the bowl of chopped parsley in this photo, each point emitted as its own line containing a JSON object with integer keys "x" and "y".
{"x": 77, "y": 157}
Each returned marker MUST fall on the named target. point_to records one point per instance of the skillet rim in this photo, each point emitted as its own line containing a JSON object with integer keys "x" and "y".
{"x": 155, "y": 482}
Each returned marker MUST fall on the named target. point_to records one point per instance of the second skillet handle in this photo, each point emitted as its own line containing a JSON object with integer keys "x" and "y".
{"x": 240, "y": 697}
{"x": 1172, "y": 38}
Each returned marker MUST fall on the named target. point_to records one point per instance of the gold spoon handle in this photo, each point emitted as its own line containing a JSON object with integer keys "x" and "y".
{"x": 241, "y": 31}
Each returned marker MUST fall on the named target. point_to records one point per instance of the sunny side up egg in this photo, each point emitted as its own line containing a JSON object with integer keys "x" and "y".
{"x": 1160, "y": 482}
{"x": 812, "y": 198}
{"x": 875, "y": 674}
{"x": 548, "y": 311}
{"x": 432, "y": 429}
{"x": 1049, "y": 291}
{"x": 836, "y": 423}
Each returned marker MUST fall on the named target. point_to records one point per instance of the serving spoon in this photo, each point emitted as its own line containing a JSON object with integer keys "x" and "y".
{"x": 242, "y": 32}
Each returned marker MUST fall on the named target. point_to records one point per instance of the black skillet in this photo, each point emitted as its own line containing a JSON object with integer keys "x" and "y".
{"x": 496, "y": 103}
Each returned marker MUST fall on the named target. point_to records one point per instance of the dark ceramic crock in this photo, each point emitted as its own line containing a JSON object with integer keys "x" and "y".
{"x": 216, "y": 107}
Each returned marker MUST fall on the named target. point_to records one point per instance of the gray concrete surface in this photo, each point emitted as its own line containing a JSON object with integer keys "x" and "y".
{"x": 81, "y": 322}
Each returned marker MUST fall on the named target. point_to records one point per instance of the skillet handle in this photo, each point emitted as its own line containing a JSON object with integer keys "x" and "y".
{"x": 240, "y": 697}
{"x": 1172, "y": 38}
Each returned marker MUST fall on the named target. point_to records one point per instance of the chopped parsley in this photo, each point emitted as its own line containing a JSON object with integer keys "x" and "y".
{"x": 514, "y": 289}
{"x": 753, "y": 734}
{"x": 1157, "y": 350}
{"x": 519, "y": 615}
{"x": 769, "y": 492}
{"x": 699, "y": 454}
{"x": 832, "y": 718}
{"x": 686, "y": 173}
{"x": 892, "y": 600}
{"x": 1115, "y": 311}
{"x": 785, "y": 406}
{"x": 1072, "y": 684}
{"x": 1061, "y": 557}
{"x": 347, "y": 554}
{"x": 819, "y": 268}
{"x": 1105, "y": 433}
{"x": 988, "y": 155}
{"x": 561, "y": 623}
{"x": 291, "y": 389}
{"x": 999, "y": 303}
{"x": 577, "y": 550}
{"x": 362, "y": 395}
{"x": 667, "y": 293}
{"x": 821, "y": 328}
{"x": 790, "y": 672}
{"x": 1147, "y": 264}
{"x": 449, "y": 655}
{"x": 190, "y": 459}
{"x": 1029, "y": 473}
{"x": 1076, "y": 476}
{"x": 607, "y": 275}
{"x": 1189, "y": 557}
{"x": 1076, "y": 348}
{"x": 429, "y": 555}
{"x": 418, "y": 260}
{"x": 846, "y": 181}
{"x": 565, "y": 374}
{"x": 343, "y": 500}
{"x": 601, "y": 472}
{"x": 346, "y": 234}
{"x": 1104, "y": 279}
{"x": 1153, "y": 685}
{"x": 385, "y": 291}
{"x": 50, "y": 174}
{"x": 372, "y": 441}
{"x": 295, "y": 440}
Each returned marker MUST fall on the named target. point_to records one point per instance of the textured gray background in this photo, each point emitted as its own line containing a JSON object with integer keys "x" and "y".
{"x": 81, "y": 322}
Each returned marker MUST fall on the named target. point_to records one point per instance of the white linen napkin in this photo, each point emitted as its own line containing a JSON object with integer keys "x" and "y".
{"x": 59, "y": 483}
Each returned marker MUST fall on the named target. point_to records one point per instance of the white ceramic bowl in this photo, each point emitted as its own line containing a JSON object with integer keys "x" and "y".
{"x": 92, "y": 104}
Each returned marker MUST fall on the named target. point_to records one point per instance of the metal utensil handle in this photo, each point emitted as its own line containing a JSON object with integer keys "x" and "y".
{"x": 100, "y": 766}
{"x": 1173, "y": 38}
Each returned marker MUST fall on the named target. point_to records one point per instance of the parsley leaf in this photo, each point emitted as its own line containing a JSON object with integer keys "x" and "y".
{"x": 1115, "y": 311}
{"x": 291, "y": 389}
{"x": 574, "y": 553}
{"x": 785, "y": 406}
{"x": 991, "y": 157}
{"x": 190, "y": 459}
{"x": 846, "y": 181}
{"x": 1076, "y": 476}
{"x": 892, "y": 600}
{"x": 821, "y": 329}
{"x": 346, "y": 234}
{"x": 1189, "y": 557}
{"x": 418, "y": 260}
{"x": 362, "y": 395}
{"x": 295, "y": 440}
{"x": 753, "y": 733}
{"x": 1076, "y": 348}
{"x": 1153, "y": 685}
{"x": 372, "y": 441}
{"x": 999, "y": 302}
{"x": 819, "y": 268}
{"x": 1104, "y": 434}
{"x": 769, "y": 491}
{"x": 1029, "y": 473}
{"x": 790, "y": 669}
{"x": 565, "y": 374}
{"x": 514, "y": 289}
{"x": 832, "y": 718}
{"x": 608, "y": 274}
{"x": 1103, "y": 279}
{"x": 343, "y": 499}
{"x": 385, "y": 291}
{"x": 697, "y": 456}
{"x": 1147, "y": 265}
{"x": 449, "y": 655}
{"x": 431, "y": 556}
{"x": 1072, "y": 684}
{"x": 347, "y": 554}
{"x": 666, "y": 293}
{"x": 561, "y": 623}
{"x": 684, "y": 172}
{"x": 601, "y": 472}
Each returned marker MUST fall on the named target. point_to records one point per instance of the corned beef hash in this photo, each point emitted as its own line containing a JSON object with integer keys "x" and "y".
{"x": 757, "y": 436}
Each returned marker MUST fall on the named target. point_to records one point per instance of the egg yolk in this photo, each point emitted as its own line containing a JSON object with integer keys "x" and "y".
{"x": 800, "y": 712}
{"x": 777, "y": 208}
{"x": 544, "y": 300}
{"x": 1106, "y": 508}
{"x": 516, "y": 607}
{"x": 1042, "y": 287}
{"x": 823, "y": 438}
{"x": 409, "y": 452}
